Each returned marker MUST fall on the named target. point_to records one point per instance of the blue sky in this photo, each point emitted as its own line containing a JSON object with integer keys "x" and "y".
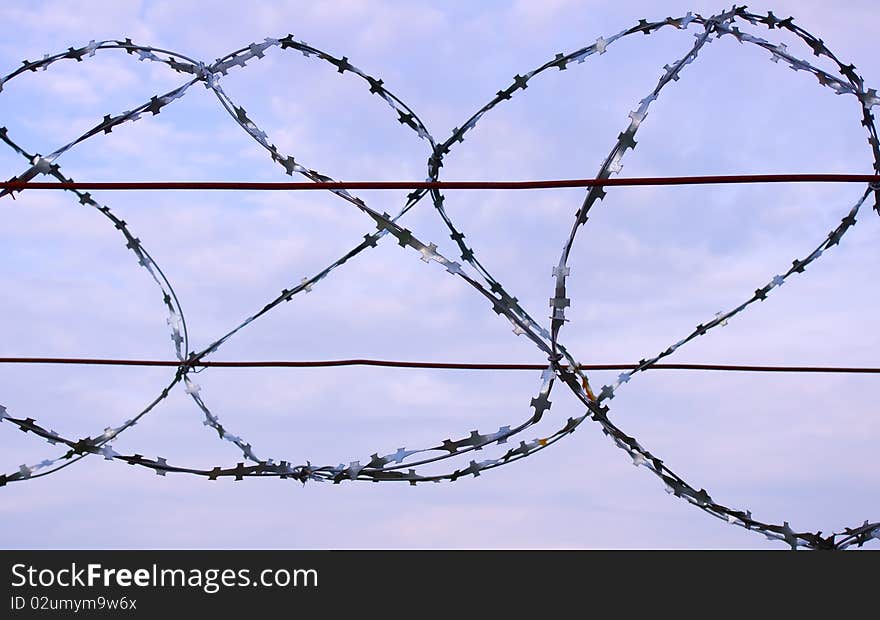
{"x": 650, "y": 264}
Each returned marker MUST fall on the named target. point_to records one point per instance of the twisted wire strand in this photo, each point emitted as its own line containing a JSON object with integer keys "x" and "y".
{"x": 433, "y": 365}
{"x": 551, "y": 184}
{"x": 561, "y": 366}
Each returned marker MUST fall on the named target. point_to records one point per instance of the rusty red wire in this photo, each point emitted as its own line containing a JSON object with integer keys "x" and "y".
{"x": 14, "y": 185}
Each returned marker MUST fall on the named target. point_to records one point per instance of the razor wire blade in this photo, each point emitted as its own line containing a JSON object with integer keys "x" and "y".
{"x": 407, "y": 465}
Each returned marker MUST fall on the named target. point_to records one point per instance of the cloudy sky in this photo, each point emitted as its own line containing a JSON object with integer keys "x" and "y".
{"x": 650, "y": 265}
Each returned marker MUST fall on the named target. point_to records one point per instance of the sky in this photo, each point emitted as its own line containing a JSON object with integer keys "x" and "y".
{"x": 651, "y": 263}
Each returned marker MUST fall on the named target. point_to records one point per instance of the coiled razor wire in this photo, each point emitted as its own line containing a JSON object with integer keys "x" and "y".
{"x": 406, "y": 465}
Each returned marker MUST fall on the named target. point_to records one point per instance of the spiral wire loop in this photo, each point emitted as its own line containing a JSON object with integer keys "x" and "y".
{"x": 407, "y": 464}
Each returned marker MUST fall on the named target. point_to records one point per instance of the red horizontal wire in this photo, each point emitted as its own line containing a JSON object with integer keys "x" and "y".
{"x": 433, "y": 365}
{"x": 380, "y": 185}
{"x": 309, "y": 185}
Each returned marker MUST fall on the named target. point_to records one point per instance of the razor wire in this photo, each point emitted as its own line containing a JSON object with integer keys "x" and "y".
{"x": 403, "y": 464}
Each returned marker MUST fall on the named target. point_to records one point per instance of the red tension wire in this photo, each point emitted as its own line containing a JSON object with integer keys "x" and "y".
{"x": 432, "y": 365}
{"x": 15, "y": 185}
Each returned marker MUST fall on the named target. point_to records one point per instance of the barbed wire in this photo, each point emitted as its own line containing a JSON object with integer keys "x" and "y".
{"x": 407, "y": 465}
